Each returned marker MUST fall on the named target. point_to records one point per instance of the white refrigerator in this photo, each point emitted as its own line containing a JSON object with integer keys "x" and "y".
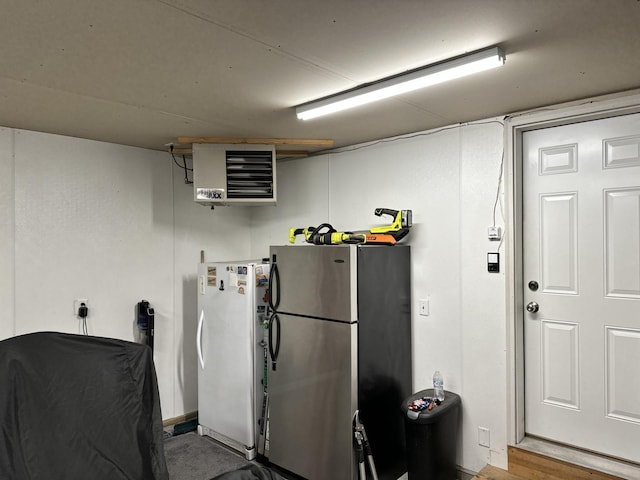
{"x": 232, "y": 303}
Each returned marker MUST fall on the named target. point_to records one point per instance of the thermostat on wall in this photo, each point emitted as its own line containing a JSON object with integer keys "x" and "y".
{"x": 493, "y": 262}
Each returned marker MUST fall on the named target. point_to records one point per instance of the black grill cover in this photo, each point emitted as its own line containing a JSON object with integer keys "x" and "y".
{"x": 79, "y": 407}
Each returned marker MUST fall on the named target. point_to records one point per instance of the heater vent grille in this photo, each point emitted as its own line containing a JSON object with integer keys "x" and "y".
{"x": 250, "y": 174}
{"x": 232, "y": 174}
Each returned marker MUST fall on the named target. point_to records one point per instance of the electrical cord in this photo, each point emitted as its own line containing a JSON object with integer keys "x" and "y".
{"x": 183, "y": 166}
{"x": 186, "y": 177}
{"x": 83, "y": 312}
{"x": 495, "y": 204}
{"x": 409, "y": 136}
{"x": 498, "y": 199}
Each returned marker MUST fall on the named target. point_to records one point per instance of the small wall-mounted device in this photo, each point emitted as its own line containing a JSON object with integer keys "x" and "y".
{"x": 494, "y": 233}
{"x": 146, "y": 321}
{"x": 493, "y": 262}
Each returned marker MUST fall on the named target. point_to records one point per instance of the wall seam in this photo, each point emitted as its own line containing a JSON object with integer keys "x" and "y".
{"x": 329, "y": 188}
{"x": 460, "y": 255}
{"x": 13, "y": 232}
{"x": 173, "y": 275}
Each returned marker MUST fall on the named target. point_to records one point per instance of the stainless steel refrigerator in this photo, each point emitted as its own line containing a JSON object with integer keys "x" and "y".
{"x": 232, "y": 306}
{"x": 340, "y": 341}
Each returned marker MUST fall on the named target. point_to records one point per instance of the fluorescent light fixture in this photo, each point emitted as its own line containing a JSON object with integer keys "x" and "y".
{"x": 405, "y": 82}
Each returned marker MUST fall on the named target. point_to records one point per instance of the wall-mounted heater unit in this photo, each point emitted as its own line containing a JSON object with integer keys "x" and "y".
{"x": 238, "y": 174}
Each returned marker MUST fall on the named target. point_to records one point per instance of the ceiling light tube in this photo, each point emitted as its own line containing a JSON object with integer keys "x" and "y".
{"x": 405, "y": 82}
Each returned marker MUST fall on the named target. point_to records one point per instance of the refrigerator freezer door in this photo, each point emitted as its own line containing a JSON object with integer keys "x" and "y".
{"x": 313, "y": 396}
{"x": 384, "y": 344}
{"x": 226, "y": 355}
{"x": 317, "y": 281}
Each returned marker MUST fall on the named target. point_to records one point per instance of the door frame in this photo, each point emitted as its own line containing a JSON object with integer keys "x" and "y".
{"x": 515, "y": 126}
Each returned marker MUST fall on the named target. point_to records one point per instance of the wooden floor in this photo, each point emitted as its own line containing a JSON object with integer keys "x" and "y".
{"x": 494, "y": 473}
{"x": 534, "y": 466}
{"x": 525, "y": 465}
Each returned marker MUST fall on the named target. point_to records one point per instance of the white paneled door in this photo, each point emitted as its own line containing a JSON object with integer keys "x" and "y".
{"x": 581, "y": 237}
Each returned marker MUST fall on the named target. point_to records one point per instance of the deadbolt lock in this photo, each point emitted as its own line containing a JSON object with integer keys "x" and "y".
{"x": 533, "y": 285}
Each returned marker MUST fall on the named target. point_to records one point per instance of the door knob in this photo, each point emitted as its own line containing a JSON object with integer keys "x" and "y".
{"x": 532, "y": 307}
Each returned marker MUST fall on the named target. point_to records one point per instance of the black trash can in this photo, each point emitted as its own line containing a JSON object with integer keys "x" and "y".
{"x": 432, "y": 437}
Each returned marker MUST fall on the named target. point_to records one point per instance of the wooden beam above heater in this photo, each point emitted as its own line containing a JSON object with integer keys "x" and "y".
{"x": 309, "y": 142}
{"x": 279, "y": 153}
{"x": 292, "y": 153}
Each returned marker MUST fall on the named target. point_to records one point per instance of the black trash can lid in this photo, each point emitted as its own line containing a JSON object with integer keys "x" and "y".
{"x": 451, "y": 402}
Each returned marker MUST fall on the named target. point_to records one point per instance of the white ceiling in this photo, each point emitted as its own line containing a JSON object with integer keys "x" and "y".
{"x": 143, "y": 72}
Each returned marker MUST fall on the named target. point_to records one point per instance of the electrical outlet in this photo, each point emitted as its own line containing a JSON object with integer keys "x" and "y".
{"x": 484, "y": 439}
{"x": 423, "y": 307}
{"x": 76, "y": 305}
{"x": 494, "y": 233}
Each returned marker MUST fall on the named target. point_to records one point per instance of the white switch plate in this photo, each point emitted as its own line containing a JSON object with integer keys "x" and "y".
{"x": 484, "y": 438}
{"x": 423, "y": 307}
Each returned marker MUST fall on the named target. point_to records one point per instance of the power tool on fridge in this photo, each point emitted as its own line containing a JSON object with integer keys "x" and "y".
{"x": 391, "y": 234}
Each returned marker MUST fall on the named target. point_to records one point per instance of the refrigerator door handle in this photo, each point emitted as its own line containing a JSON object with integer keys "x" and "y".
{"x": 199, "y": 339}
{"x": 274, "y": 303}
{"x": 274, "y": 288}
{"x": 274, "y": 347}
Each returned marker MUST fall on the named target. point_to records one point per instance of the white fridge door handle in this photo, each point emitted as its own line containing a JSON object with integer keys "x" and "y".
{"x": 199, "y": 339}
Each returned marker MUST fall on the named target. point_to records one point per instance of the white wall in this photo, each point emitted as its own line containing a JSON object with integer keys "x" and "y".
{"x": 484, "y": 329}
{"x": 449, "y": 179}
{"x": 115, "y": 225}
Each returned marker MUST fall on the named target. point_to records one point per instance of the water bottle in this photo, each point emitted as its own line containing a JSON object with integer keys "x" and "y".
{"x": 438, "y": 386}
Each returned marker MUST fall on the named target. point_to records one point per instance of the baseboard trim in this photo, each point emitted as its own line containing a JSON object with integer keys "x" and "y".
{"x": 182, "y": 418}
{"x": 464, "y": 474}
{"x": 561, "y": 461}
